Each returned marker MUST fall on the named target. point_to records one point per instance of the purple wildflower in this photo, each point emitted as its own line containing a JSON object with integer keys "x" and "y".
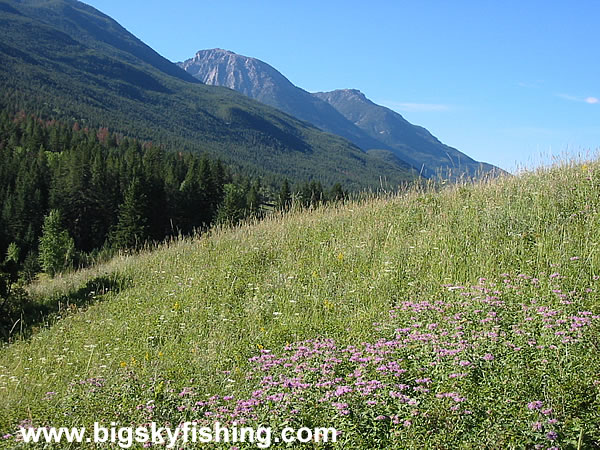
{"x": 551, "y": 435}
{"x": 535, "y": 405}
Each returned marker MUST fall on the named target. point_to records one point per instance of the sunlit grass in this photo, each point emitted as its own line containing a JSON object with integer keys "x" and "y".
{"x": 193, "y": 313}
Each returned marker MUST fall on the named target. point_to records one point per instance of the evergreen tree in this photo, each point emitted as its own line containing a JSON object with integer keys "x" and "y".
{"x": 8, "y": 277}
{"x": 131, "y": 230}
{"x": 190, "y": 201}
{"x": 316, "y": 193}
{"x": 337, "y": 193}
{"x": 112, "y": 190}
{"x": 233, "y": 208}
{"x": 219, "y": 179}
{"x": 254, "y": 199}
{"x": 284, "y": 198}
{"x": 56, "y": 246}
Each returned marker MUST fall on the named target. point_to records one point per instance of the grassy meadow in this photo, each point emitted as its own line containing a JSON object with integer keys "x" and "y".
{"x": 465, "y": 318}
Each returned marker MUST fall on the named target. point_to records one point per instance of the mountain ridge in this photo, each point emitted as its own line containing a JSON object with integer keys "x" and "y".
{"x": 412, "y": 143}
{"x": 64, "y": 59}
{"x": 260, "y": 81}
{"x": 375, "y": 129}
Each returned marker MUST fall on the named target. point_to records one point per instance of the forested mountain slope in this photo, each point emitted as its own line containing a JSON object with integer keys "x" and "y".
{"x": 64, "y": 59}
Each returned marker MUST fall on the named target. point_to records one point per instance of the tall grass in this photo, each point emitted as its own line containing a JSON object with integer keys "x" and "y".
{"x": 479, "y": 270}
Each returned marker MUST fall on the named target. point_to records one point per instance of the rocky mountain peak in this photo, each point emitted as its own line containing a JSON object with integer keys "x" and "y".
{"x": 346, "y": 95}
{"x": 352, "y": 93}
{"x": 220, "y": 67}
{"x": 345, "y": 112}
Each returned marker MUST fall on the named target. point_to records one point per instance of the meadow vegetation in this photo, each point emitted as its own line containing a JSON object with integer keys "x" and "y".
{"x": 464, "y": 318}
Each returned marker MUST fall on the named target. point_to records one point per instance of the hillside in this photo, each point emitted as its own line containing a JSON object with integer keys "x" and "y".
{"x": 63, "y": 59}
{"x": 467, "y": 318}
{"x": 346, "y": 112}
{"x": 406, "y": 141}
{"x": 262, "y": 82}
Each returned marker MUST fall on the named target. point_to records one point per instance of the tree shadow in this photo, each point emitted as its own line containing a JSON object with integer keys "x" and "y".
{"x": 23, "y": 315}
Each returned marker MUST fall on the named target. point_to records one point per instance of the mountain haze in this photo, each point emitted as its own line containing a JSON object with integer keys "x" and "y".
{"x": 66, "y": 60}
{"x": 347, "y": 113}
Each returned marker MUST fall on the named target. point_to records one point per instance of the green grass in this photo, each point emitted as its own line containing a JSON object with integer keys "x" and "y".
{"x": 446, "y": 279}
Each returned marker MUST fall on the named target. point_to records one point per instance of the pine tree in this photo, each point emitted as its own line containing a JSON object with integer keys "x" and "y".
{"x": 284, "y": 198}
{"x": 131, "y": 230}
{"x": 254, "y": 199}
{"x": 337, "y": 193}
{"x": 56, "y": 246}
{"x": 233, "y": 208}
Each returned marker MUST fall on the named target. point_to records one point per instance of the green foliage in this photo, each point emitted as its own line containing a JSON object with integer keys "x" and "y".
{"x": 12, "y": 253}
{"x": 284, "y": 198}
{"x": 469, "y": 318}
{"x": 13, "y": 299}
{"x": 65, "y": 60}
{"x": 337, "y": 193}
{"x": 88, "y": 176}
{"x": 131, "y": 230}
{"x": 57, "y": 248}
{"x": 233, "y": 208}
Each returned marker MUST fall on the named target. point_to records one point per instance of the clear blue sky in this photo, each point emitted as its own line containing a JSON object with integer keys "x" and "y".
{"x": 507, "y": 82}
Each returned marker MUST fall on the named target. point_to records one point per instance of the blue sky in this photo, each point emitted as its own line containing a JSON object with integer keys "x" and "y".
{"x": 513, "y": 83}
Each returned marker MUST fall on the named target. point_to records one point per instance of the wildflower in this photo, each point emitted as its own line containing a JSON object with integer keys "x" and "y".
{"x": 535, "y": 405}
{"x": 49, "y": 395}
{"x": 551, "y": 435}
{"x": 488, "y": 357}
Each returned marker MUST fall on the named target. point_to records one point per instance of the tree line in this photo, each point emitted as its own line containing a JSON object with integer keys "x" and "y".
{"x": 71, "y": 195}
{"x": 89, "y": 190}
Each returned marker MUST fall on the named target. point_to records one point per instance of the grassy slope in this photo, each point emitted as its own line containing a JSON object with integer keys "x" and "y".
{"x": 191, "y": 315}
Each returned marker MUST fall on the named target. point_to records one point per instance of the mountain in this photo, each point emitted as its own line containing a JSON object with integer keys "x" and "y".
{"x": 348, "y": 113}
{"x": 260, "y": 81}
{"x": 408, "y": 142}
{"x": 63, "y": 59}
